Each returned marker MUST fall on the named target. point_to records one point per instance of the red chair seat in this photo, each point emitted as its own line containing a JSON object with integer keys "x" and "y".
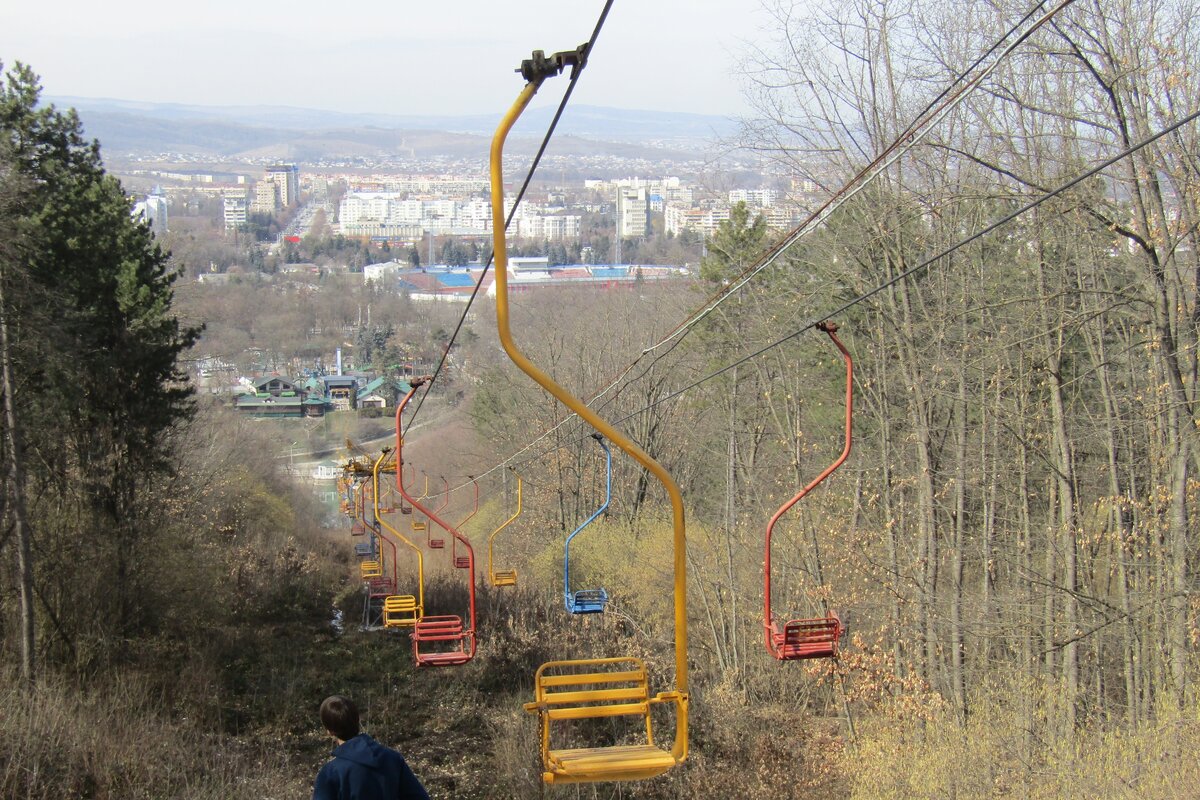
{"x": 808, "y": 638}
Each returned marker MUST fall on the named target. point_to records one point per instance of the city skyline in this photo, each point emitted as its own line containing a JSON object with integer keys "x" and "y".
{"x": 668, "y": 55}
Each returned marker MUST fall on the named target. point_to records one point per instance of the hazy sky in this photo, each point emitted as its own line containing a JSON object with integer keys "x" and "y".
{"x": 398, "y": 56}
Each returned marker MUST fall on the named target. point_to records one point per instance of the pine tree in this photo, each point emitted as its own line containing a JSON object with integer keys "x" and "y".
{"x": 736, "y": 243}
{"x": 93, "y": 341}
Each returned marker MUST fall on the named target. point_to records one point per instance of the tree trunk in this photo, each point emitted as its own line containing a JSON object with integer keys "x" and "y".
{"x": 958, "y": 683}
{"x": 15, "y": 484}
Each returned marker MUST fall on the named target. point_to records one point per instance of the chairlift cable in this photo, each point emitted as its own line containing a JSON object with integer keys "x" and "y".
{"x": 924, "y": 122}
{"x": 575, "y": 73}
{"x": 911, "y": 272}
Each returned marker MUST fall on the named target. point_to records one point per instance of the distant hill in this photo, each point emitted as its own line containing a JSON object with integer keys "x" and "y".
{"x": 310, "y": 134}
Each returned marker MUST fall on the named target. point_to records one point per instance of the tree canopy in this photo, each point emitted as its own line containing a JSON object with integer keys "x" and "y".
{"x": 92, "y": 344}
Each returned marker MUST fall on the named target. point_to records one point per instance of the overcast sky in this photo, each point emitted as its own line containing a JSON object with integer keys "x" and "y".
{"x": 393, "y": 56}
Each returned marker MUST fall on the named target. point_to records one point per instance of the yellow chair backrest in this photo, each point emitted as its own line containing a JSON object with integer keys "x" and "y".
{"x": 400, "y": 611}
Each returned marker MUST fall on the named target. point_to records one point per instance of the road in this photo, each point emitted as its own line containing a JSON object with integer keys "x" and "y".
{"x": 302, "y": 223}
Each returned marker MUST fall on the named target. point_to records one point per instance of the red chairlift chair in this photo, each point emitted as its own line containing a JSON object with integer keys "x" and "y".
{"x": 798, "y": 639}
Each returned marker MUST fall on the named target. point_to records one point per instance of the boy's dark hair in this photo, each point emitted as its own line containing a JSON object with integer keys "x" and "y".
{"x": 339, "y": 715}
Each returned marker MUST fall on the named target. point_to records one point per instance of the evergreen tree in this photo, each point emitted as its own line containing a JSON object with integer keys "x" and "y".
{"x": 734, "y": 246}
{"x": 93, "y": 341}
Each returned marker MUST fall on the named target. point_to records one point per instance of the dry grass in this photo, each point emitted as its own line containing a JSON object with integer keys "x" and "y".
{"x": 121, "y": 742}
{"x": 1010, "y": 747}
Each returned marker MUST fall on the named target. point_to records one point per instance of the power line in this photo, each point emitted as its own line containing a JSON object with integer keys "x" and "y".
{"x": 876, "y": 290}
{"x": 934, "y": 112}
{"x": 916, "y": 269}
{"x": 920, "y": 127}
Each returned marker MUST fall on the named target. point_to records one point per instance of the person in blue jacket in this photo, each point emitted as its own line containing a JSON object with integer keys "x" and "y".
{"x": 362, "y": 768}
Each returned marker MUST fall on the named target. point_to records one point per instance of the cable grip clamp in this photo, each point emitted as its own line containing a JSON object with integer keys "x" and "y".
{"x": 538, "y": 67}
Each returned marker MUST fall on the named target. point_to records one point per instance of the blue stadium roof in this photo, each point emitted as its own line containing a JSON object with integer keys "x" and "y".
{"x": 457, "y": 279}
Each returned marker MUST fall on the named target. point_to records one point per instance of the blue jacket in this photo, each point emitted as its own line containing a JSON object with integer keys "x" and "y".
{"x": 363, "y": 769}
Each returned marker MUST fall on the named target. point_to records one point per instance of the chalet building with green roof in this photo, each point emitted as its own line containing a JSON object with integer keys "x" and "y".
{"x": 276, "y": 396}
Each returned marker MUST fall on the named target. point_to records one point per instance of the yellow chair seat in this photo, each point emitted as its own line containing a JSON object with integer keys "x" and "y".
{"x": 600, "y": 688}
{"x": 627, "y": 762}
{"x": 504, "y": 577}
{"x": 371, "y": 569}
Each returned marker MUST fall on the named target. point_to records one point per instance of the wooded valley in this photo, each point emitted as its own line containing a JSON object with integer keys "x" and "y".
{"x": 1012, "y": 541}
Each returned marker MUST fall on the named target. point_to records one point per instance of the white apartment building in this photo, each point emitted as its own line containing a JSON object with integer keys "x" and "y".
{"x": 804, "y": 186}
{"x": 678, "y": 218}
{"x": 632, "y": 213}
{"x": 438, "y": 215}
{"x": 384, "y": 230}
{"x": 763, "y": 198}
{"x": 152, "y": 211}
{"x": 782, "y": 218}
{"x": 664, "y": 186}
{"x": 554, "y": 227}
{"x": 409, "y": 212}
{"x": 235, "y": 209}
{"x": 360, "y": 211}
{"x": 438, "y": 186}
{"x": 364, "y": 207}
{"x": 475, "y": 214}
{"x": 683, "y": 194}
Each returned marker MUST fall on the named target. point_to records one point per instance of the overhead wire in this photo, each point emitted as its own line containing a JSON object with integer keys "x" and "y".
{"x": 933, "y": 112}
{"x": 576, "y": 71}
{"x": 906, "y": 274}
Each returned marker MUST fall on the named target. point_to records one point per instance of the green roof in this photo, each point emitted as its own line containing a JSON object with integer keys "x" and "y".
{"x": 378, "y": 383}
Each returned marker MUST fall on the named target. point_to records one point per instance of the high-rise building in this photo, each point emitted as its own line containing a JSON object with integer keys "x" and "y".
{"x": 632, "y": 217}
{"x": 287, "y": 178}
{"x": 555, "y": 227}
{"x": 153, "y": 210}
{"x": 235, "y": 210}
{"x": 266, "y": 197}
